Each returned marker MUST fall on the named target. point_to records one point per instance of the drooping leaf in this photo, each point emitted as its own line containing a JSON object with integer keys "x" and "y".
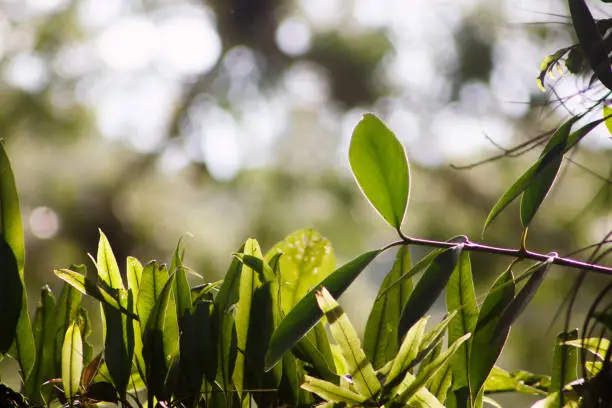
{"x": 598, "y": 346}
{"x": 380, "y": 339}
{"x": 379, "y": 163}
{"x": 81, "y": 283}
{"x": 520, "y": 301}
{"x": 360, "y": 369}
{"x": 429, "y": 287}
{"x": 545, "y": 175}
{"x": 591, "y": 41}
{"x": 306, "y": 313}
{"x": 486, "y": 348}
{"x": 540, "y": 166}
{"x": 460, "y": 297}
{"x": 72, "y": 361}
{"x": 501, "y": 381}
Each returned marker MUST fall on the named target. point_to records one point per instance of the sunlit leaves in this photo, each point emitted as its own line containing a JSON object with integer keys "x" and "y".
{"x": 306, "y": 313}
{"x": 379, "y": 163}
{"x": 72, "y": 360}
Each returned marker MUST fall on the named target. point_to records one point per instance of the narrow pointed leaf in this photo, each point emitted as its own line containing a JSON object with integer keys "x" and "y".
{"x": 441, "y": 361}
{"x": 360, "y": 369}
{"x": 154, "y": 350}
{"x": 108, "y": 269}
{"x": 565, "y": 361}
{"x": 407, "y": 353}
{"x": 500, "y": 380}
{"x": 522, "y": 299}
{"x": 72, "y": 361}
{"x": 429, "y": 287}
{"x": 595, "y": 345}
{"x": 486, "y": 348}
{"x": 379, "y": 163}
{"x": 306, "y": 313}
{"x": 134, "y": 275}
{"x": 12, "y": 273}
{"x": 81, "y": 283}
{"x": 540, "y": 166}
{"x": 380, "y": 338}
{"x": 333, "y": 393}
{"x": 460, "y": 297}
{"x": 43, "y": 325}
{"x": 66, "y": 311}
{"x": 249, "y": 282}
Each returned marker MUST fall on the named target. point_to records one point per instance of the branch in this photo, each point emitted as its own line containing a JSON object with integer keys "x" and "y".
{"x": 515, "y": 253}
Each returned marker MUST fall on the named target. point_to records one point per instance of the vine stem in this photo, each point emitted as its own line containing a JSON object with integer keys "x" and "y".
{"x": 515, "y": 253}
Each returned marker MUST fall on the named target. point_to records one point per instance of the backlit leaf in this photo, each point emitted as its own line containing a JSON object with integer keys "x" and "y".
{"x": 72, "y": 361}
{"x": 379, "y": 163}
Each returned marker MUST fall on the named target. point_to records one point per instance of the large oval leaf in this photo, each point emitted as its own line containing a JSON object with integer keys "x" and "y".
{"x": 379, "y": 163}
{"x": 306, "y": 313}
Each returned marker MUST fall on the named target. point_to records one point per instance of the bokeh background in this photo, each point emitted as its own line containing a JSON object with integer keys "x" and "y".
{"x": 219, "y": 120}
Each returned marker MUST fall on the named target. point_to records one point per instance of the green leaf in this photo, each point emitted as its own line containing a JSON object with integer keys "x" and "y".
{"x": 486, "y": 347}
{"x": 66, "y": 312}
{"x": 407, "y": 353}
{"x": 379, "y": 163}
{"x": 72, "y": 361}
{"x": 223, "y": 324}
{"x": 501, "y": 381}
{"x": 306, "y": 313}
{"x": 360, "y": 369}
{"x": 134, "y": 275}
{"x": 249, "y": 282}
{"x": 11, "y": 234}
{"x": 607, "y": 113}
{"x": 195, "y": 350}
{"x": 440, "y": 383}
{"x": 430, "y": 370}
{"x": 84, "y": 285}
{"x": 44, "y": 320}
{"x": 333, "y": 393}
{"x": 11, "y": 293}
{"x": 429, "y": 287}
{"x": 460, "y": 297}
{"x": 380, "y": 339}
{"x": 108, "y": 269}
{"x": 307, "y": 258}
{"x": 591, "y": 41}
{"x": 546, "y": 173}
{"x": 596, "y": 345}
{"x": 520, "y": 301}
{"x": 154, "y": 349}
{"x": 539, "y": 168}
{"x": 422, "y": 398}
{"x": 119, "y": 342}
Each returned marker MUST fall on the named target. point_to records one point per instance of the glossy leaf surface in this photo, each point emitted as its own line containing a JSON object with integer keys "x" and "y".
{"x": 379, "y": 163}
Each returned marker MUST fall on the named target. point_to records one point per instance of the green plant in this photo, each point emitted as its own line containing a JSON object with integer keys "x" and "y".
{"x": 259, "y": 336}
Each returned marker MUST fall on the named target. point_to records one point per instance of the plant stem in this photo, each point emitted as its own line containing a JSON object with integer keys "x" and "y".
{"x": 515, "y": 253}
